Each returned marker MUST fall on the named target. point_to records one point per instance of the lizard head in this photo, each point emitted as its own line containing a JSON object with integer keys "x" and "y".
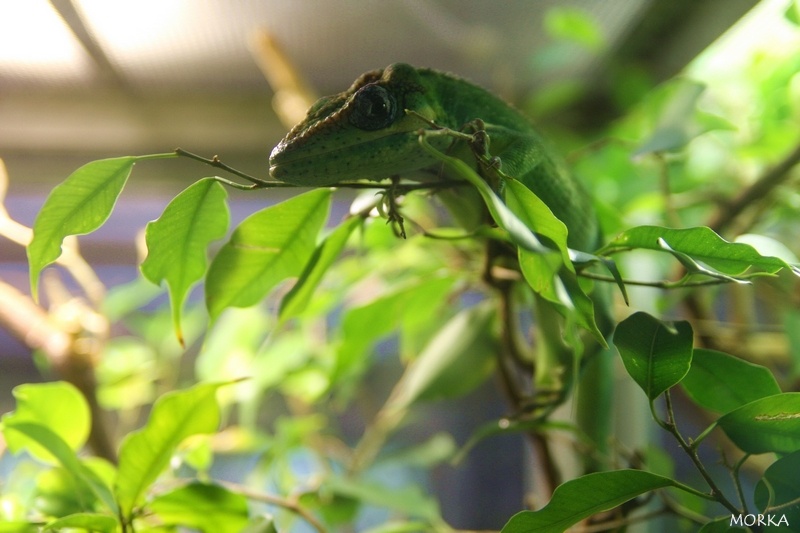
{"x": 362, "y": 133}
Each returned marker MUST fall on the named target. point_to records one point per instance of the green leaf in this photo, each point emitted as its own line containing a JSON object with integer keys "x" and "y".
{"x": 721, "y": 382}
{"x": 90, "y": 521}
{"x": 575, "y": 25}
{"x": 325, "y": 254}
{"x": 721, "y": 525}
{"x": 679, "y": 121}
{"x": 177, "y": 241}
{"x": 583, "y": 497}
{"x": 84, "y": 480}
{"x": 501, "y": 214}
{"x": 209, "y": 508}
{"x": 79, "y": 205}
{"x": 780, "y": 485}
{"x": 364, "y": 325}
{"x": 409, "y": 500}
{"x": 537, "y": 216}
{"x": 458, "y": 359}
{"x": 145, "y": 453}
{"x": 268, "y": 247}
{"x": 655, "y": 354}
{"x": 770, "y": 424}
{"x": 702, "y": 245}
{"x": 58, "y": 406}
{"x": 260, "y": 524}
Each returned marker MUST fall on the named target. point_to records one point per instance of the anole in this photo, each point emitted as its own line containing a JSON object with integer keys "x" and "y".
{"x": 372, "y": 131}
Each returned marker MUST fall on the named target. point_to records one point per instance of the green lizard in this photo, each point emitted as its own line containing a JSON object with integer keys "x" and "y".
{"x": 371, "y": 131}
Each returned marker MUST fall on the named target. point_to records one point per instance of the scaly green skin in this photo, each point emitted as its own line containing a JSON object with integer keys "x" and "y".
{"x": 365, "y": 134}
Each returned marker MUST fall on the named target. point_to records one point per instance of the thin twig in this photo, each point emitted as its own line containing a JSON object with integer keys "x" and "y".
{"x": 290, "y": 504}
{"x": 758, "y": 190}
{"x": 672, "y": 428}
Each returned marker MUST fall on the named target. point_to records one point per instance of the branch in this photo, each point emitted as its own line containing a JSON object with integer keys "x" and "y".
{"x": 35, "y": 328}
{"x": 289, "y": 504}
{"x": 758, "y": 190}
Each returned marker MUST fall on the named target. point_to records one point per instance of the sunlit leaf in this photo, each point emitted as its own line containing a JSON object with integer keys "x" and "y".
{"x": 583, "y": 497}
{"x": 722, "y": 382}
{"x": 145, "y": 453}
{"x": 655, "y": 354}
{"x": 268, "y": 247}
{"x": 575, "y": 25}
{"x": 177, "y": 241}
{"x": 89, "y": 521}
{"x": 260, "y": 524}
{"x": 702, "y": 245}
{"x": 500, "y": 212}
{"x": 85, "y": 480}
{"x": 79, "y": 205}
{"x": 325, "y": 254}
{"x": 58, "y": 406}
{"x": 770, "y": 424}
{"x": 209, "y": 508}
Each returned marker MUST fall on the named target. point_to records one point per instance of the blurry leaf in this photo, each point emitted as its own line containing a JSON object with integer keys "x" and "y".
{"x": 679, "y": 122}
{"x": 267, "y": 247}
{"x": 260, "y": 524}
{"x": 437, "y": 449}
{"x": 324, "y": 255}
{"x": 58, "y": 406}
{"x": 208, "y": 508}
{"x": 79, "y": 205}
{"x": 364, "y": 325}
{"x": 721, "y": 382}
{"x": 91, "y": 521}
{"x": 57, "y": 494}
{"x": 458, "y": 359}
{"x": 792, "y": 13}
{"x": 177, "y": 241}
{"x": 231, "y": 345}
{"x": 583, "y": 497}
{"x": 721, "y": 525}
{"x": 408, "y": 500}
{"x": 400, "y": 527}
{"x": 84, "y": 480}
{"x": 702, "y": 245}
{"x": 656, "y": 355}
{"x": 784, "y": 487}
{"x": 791, "y": 323}
{"x": 574, "y": 25}
{"x": 145, "y": 453}
{"x": 770, "y": 424}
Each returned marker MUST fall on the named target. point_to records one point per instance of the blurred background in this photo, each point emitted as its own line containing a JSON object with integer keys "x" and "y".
{"x": 88, "y": 79}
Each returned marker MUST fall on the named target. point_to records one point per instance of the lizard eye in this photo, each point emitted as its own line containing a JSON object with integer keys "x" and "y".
{"x": 373, "y": 108}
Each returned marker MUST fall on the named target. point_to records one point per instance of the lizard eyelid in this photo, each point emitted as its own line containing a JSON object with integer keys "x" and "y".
{"x": 373, "y": 108}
